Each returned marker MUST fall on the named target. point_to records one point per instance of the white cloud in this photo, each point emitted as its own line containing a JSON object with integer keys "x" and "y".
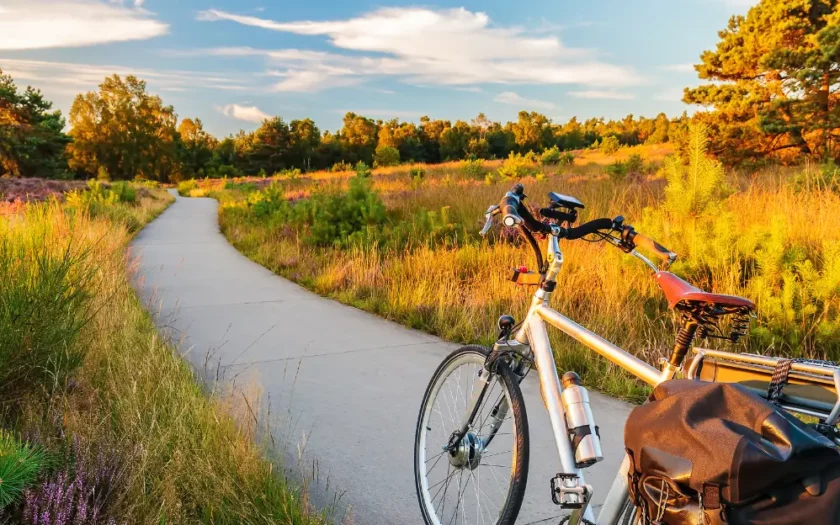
{"x": 511, "y": 98}
{"x": 428, "y": 47}
{"x": 37, "y": 24}
{"x": 598, "y": 94}
{"x": 470, "y": 89}
{"x": 246, "y": 113}
{"x": 70, "y": 77}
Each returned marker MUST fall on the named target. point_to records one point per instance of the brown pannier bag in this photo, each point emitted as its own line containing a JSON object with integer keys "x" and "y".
{"x": 713, "y": 453}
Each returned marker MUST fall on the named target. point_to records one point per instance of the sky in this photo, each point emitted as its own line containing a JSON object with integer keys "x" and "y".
{"x": 233, "y": 63}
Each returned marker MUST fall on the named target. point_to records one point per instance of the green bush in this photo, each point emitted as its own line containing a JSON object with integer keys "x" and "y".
{"x": 417, "y": 177}
{"x": 20, "y": 465}
{"x": 636, "y": 164}
{"x": 386, "y": 156}
{"x": 826, "y": 177}
{"x": 567, "y": 159}
{"x": 617, "y": 171}
{"x": 550, "y": 156}
{"x": 609, "y": 145}
{"x": 291, "y": 173}
{"x": 185, "y": 187}
{"x": 43, "y": 309}
{"x": 341, "y": 166}
{"x": 125, "y": 192}
{"x": 517, "y": 166}
{"x": 472, "y": 168}
{"x": 336, "y": 217}
{"x": 363, "y": 170}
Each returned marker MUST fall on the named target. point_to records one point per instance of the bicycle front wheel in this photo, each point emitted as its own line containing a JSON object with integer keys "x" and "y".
{"x": 482, "y": 479}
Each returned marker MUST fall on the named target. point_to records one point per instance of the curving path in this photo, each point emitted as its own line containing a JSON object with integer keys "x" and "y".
{"x": 343, "y": 385}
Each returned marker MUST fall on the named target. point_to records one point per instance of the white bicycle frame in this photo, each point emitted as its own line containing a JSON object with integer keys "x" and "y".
{"x": 532, "y": 341}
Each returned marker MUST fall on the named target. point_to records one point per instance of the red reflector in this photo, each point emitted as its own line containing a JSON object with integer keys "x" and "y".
{"x": 522, "y": 269}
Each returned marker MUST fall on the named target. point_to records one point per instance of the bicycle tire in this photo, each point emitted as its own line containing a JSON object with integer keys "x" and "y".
{"x": 519, "y": 468}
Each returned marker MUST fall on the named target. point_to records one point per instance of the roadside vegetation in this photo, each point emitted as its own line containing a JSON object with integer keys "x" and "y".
{"x": 100, "y": 420}
{"x": 404, "y": 244}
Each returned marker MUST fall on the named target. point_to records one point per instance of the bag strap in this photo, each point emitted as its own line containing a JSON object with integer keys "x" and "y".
{"x": 780, "y": 379}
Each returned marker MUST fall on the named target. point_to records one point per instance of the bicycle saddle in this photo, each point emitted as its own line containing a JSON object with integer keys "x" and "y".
{"x": 677, "y": 291}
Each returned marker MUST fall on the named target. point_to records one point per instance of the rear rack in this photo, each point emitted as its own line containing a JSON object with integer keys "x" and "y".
{"x": 813, "y": 387}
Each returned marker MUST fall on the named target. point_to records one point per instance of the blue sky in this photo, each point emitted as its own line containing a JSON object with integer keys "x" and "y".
{"x": 231, "y": 63}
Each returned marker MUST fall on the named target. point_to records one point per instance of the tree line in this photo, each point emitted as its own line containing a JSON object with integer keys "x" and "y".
{"x": 122, "y": 132}
{"x": 774, "y": 94}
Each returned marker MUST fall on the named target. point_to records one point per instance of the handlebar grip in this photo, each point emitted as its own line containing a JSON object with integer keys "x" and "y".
{"x": 588, "y": 228}
{"x": 643, "y": 241}
{"x": 510, "y": 211}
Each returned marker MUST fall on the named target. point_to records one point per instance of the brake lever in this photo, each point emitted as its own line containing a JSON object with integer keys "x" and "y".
{"x": 488, "y": 216}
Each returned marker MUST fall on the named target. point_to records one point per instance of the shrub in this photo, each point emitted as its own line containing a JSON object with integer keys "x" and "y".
{"x": 363, "y": 170}
{"x": 609, "y": 145}
{"x": 635, "y": 164}
{"x": 567, "y": 159}
{"x": 185, "y": 187}
{"x": 472, "y": 168}
{"x": 550, "y": 156}
{"x": 79, "y": 492}
{"x": 417, "y": 175}
{"x": 617, "y": 171}
{"x": 826, "y": 177}
{"x": 694, "y": 188}
{"x": 102, "y": 174}
{"x": 517, "y": 166}
{"x": 386, "y": 156}
{"x": 341, "y": 166}
{"x": 43, "y": 309}
{"x": 336, "y": 217}
{"x": 20, "y": 464}
{"x": 125, "y": 192}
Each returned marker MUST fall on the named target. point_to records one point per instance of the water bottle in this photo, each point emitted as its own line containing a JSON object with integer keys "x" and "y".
{"x": 586, "y": 442}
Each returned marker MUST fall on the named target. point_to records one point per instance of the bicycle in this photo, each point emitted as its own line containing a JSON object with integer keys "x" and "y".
{"x": 475, "y": 421}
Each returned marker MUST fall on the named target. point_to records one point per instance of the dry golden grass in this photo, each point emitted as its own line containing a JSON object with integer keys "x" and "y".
{"x": 132, "y": 400}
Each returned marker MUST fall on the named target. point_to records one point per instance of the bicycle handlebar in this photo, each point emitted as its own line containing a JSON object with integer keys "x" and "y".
{"x": 515, "y": 213}
{"x": 588, "y": 228}
{"x": 643, "y": 241}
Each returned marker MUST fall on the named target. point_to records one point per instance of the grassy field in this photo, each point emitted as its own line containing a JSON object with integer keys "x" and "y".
{"x": 102, "y": 422}
{"x": 403, "y": 243}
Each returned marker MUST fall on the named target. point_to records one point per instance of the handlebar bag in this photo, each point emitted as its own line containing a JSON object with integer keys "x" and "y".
{"x": 714, "y": 453}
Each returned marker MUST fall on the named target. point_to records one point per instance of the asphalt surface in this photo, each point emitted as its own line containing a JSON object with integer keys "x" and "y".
{"x": 344, "y": 387}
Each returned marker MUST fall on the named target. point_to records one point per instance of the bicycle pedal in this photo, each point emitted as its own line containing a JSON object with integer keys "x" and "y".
{"x": 568, "y": 493}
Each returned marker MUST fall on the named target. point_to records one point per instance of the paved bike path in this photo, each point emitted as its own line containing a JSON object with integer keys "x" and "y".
{"x": 343, "y": 385}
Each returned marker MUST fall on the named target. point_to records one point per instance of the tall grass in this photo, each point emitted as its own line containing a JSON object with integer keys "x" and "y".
{"x": 758, "y": 235}
{"x": 84, "y": 376}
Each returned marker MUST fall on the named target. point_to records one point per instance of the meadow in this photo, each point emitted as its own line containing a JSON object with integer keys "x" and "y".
{"x": 101, "y": 421}
{"x": 402, "y": 242}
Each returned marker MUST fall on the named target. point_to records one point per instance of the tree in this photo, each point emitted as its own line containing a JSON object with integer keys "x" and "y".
{"x": 532, "y": 132}
{"x": 774, "y": 73}
{"x": 305, "y": 137}
{"x": 32, "y": 142}
{"x": 123, "y": 129}
{"x": 454, "y": 140}
{"x": 358, "y": 138}
{"x": 386, "y": 156}
{"x": 269, "y": 148}
{"x": 196, "y": 148}
{"x": 481, "y": 123}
